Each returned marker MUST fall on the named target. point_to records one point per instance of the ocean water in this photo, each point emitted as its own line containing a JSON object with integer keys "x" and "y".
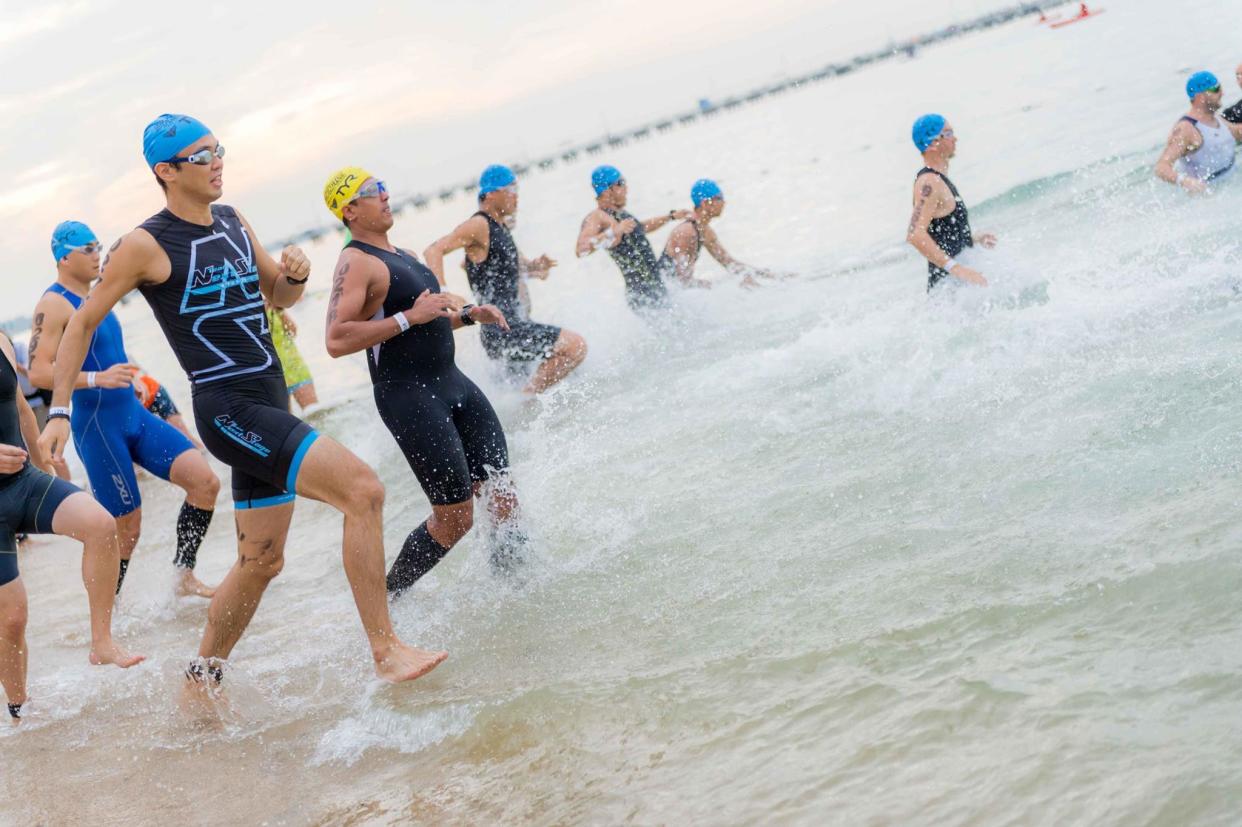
{"x": 828, "y": 552}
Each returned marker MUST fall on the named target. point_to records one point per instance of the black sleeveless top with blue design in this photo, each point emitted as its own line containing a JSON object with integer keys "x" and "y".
{"x": 210, "y": 308}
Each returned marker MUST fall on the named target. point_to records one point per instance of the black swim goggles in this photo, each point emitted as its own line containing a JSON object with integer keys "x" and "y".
{"x": 201, "y": 158}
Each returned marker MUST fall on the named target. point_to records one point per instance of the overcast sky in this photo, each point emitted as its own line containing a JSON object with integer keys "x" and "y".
{"x": 428, "y": 91}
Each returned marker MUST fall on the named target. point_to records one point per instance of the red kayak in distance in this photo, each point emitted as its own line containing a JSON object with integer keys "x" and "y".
{"x": 1083, "y": 13}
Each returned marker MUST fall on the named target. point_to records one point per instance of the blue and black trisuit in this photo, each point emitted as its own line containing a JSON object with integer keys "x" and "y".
{"x": 211, "y": 311}
{"x": 113, "y": 432}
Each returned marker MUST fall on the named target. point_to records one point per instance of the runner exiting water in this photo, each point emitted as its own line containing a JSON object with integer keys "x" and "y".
{"x": 199, "y": 267}
{"x": 625, "y": 238}
{"x": 940, "y": 226}
{"x": 681, "y": 251}
{"x": 112, "y": 431}
{"x": 384, "y": 301}
{"x": 1203, "y": 146}
{"x": 495, "y": 268}
{"x": 34, "y": 502}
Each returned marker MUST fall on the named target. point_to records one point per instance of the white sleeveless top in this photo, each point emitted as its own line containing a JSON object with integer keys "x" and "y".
{"x": 1215, "y": 157}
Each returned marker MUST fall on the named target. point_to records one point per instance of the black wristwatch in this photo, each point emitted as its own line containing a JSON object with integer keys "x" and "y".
{"x": 464, "y": 315}
{"x": 672, "y": 215}
{"x": 292, "y": 280}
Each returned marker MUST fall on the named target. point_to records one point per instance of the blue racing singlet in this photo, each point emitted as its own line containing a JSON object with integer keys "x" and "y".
{"x": 107, "y": 348}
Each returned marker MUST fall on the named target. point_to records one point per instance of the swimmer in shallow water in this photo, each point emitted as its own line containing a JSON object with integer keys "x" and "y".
{"x": 386, "y": 302}
{"x": 1202, "y": 147}
{"x": 688, "y": 239}
{"x": 940, "y": 225}
{"x": 610, "y": 227}
{"x": 112, "y": 431}
{"x": 495, "y": 268}
{"x": 204, "y": 274}
{"x": 35, "y": 502}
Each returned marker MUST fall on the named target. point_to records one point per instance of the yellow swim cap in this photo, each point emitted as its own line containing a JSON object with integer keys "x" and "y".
{"x": 342, "y": 187}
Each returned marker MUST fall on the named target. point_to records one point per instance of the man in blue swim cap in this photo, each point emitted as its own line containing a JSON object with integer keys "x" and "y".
{"x": 1202, "y": 146}
{"x": 625, "y": 238}
{"x": 497, "y": 273}
{"x": 689, "y": 238}
{"x": 115, "y": 433}
{"x": 940, "y": 225}
{"x": 203, "y": 271}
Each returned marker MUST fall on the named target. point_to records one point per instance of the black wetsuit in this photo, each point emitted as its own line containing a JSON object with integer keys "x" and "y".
{"x": 951, "y": 233}
{"x": 211, "y": 311}
{"x": 666, "y": 267}
{"x": 28, "y": 497}
{"x": 1234, "y": 113}
{"x": 443, "y": 423}
{"x": 495, "y": 281}
{"x": 644, "y": 286}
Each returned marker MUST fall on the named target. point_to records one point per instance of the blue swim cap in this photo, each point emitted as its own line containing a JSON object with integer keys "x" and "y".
{"x": 703, "y": 189}
{"x": 927, "y": 129}
{"x": 604, "y": 177}
{"x": 1200, "y": 82}
{"x": 167, "y": 135}
{"x": 67, "y": 236}
{"x": 495, "y": 177}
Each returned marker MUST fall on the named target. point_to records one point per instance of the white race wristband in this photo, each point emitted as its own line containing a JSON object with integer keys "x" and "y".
{"x": 402, "y": 322}
{"x": 949, "y": 265}
{"x": 90, "y": 379}
{"x": 58, "y": 411}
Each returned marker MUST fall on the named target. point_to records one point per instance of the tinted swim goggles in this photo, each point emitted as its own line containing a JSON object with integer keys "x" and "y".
{"x": 372, "y": 190}
{"x": 201, "y": 158}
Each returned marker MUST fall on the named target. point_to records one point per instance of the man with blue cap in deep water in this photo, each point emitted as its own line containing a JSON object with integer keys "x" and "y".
{"x": 497, "y": 272}
{"x": 205, "y": 275}
{"x": 625, "y": 238}
{"x": 681, "y": 251}
{"x": 940, "y": 225}
{"x": 1202, "y": 147}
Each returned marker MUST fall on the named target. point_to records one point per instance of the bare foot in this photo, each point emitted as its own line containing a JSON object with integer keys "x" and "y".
{"x": 203, "y": 703}
{"x": 405, "y": 663}
{"x": 111, "y": 653}
{"x": 190, "y": 586}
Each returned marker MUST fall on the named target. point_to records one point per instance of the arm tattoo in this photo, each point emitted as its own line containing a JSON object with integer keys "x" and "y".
{"x": 111, "y": 250}
{"x": 34, "y": 337}
{"x": 924, "y": 194}
{"x": 338, "y": 285}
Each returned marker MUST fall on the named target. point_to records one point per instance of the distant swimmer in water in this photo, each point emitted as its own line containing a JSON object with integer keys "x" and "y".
{"x": 1202, "y": 147}
{"x": 495, "y": 269}
{"x": 201, "y": 269}
{"x": 610, "y": 227}
{"x": 112, "y": 431}
{"x": 35, "y": 502}
{"x": 386, "y": 302}
{"x": 1234, "y": 113}
{"x": 940, "y": 225}
{"x": 689, "y": 238}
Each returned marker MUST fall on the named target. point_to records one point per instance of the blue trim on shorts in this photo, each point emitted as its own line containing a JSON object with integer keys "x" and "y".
{"x": 291, "y": 479}
{"x": 301, "y": 384}
{"x": 264, "y": 502}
